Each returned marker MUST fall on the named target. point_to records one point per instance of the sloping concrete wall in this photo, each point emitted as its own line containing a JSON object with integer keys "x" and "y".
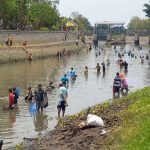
{"x": 35, "y": 37}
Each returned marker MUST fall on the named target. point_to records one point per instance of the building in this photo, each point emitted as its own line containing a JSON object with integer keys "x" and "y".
{"x": 105, "y": 29}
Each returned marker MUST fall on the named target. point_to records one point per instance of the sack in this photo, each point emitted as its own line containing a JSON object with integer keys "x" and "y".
{"x": 32, "y": 107}
{"x": 45, "y": 103}
{"x": 93, "y": 120}
{"x": 18, "y": 91}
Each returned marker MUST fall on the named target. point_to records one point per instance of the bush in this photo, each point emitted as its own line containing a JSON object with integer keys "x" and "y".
{"x": 44, "y": 29}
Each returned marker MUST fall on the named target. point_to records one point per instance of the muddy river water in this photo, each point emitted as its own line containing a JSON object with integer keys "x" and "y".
{"x": 86, "y": 91}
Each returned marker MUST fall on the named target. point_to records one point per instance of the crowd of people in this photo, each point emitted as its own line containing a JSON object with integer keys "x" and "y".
{"x": 39, "y": 96}
{"x": 120, "y": 84}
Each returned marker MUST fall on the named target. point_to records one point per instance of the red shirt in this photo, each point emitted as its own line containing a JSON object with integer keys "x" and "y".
{"x": 11, "y": 99}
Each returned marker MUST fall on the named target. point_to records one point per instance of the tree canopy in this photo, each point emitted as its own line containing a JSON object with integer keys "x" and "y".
{"x": 20, "y": 13}
{"x": 147, "y": 9}
{"x": 137, "y": 24}
{"x": 82, "y": 22}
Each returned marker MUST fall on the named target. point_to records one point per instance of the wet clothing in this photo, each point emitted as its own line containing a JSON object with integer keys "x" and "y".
{"x": 86, "y": 71}
{"x": 126, "y": 66}
{"x": 63, "y": 93}
{"x": 64, "y": 80}
{"x": 11, "y": 101}
{"x": 39, "y": 98}
{"x": 15, "y": 97}
{"x": 61, "y": 105}
{"x": 124, "y": 83}
{"x": 29, "y": 96}
{"x": 116, "y": 90}
{"x": 104, "y": 68}
{"x": 73, "y": 74}
{"x": 62, "y": 98}
{"x": 98, "y": 67}
{"x": 117, "y": 84}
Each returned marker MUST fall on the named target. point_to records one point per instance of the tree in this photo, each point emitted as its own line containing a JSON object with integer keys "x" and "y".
{"x": 147, "y": 9}
{"x": 137, "y": 24}
{"x": 20, "y": 13}
{"x": 42, "y": 14}
{"x": 8, "y": 12}
{"x": 82, "y": 22}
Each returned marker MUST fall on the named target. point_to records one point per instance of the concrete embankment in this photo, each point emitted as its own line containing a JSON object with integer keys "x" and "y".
{"x": 40, "y": 44}
{"x": 142, "y": 40}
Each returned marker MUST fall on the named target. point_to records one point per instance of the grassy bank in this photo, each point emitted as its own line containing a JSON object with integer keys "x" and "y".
{"x": 133, "y": 132}
{"x": 127, "y": 123}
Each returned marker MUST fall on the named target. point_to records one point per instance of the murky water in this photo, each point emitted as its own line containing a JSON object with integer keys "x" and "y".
{"x": 86, "y": 91}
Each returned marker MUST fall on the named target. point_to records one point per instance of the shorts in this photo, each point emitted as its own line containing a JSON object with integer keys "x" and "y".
{"x": 116, "y": 89}
{"x": 61, "y": 105}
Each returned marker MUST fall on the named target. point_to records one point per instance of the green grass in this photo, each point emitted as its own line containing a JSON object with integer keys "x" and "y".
{"x": 134, "y": 132}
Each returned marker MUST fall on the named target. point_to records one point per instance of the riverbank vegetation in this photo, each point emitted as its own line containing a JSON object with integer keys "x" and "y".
{"x": 137, "y": 23}
{"x": 126, "y": 123}
{"x": 140, "y": 24}
{"x": 37, "y": 14}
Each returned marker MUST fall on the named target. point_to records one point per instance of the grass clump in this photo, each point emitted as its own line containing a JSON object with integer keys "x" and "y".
{"x": 134, "y": 131}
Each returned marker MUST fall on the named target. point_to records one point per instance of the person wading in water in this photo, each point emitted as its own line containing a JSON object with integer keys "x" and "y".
{"x": 39, "y": 97}
{"x": 11, "y": 99}
{"x": 98, "y": 67}
{"x": 116, "y": 85}
{"x": 62, "y": 102}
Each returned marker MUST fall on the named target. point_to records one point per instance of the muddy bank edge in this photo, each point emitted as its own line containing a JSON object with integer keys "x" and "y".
{"x": 126, "y": 125}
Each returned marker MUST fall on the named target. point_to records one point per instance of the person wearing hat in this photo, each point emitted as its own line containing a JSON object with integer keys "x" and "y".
{"x": 62, "y": 102}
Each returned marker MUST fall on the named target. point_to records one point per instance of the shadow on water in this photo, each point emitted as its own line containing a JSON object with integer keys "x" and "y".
{"x": 85, "y": 91}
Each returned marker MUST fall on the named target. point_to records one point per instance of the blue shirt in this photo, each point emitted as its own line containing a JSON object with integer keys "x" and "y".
{"x": 64, "y": 80}
{"x": 72, "y": 73}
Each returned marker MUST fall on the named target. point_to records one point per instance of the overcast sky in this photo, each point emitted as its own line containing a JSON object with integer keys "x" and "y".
{"x": 104, "y": 10}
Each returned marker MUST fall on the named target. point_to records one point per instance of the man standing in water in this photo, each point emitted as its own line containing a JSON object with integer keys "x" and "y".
{"x": 65, "y": 80}
{"x": 39, "y": 97}
{"x": 62, "y": 103}
{"x": 98, "y": 67}
{"x": 116, "y": 85}
{"x": 73, "y": 74}
{"x": 125, "y": 66}
{"x": 104, "y": 68}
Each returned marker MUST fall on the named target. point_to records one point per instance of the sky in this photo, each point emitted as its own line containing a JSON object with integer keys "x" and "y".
{"x": 104, "y": 10}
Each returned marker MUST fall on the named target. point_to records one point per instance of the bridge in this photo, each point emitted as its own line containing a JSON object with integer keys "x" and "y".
{"x": 105, "y": 30}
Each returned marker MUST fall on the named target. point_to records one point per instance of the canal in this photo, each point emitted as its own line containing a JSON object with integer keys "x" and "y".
{"x": 86, "y": 91}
